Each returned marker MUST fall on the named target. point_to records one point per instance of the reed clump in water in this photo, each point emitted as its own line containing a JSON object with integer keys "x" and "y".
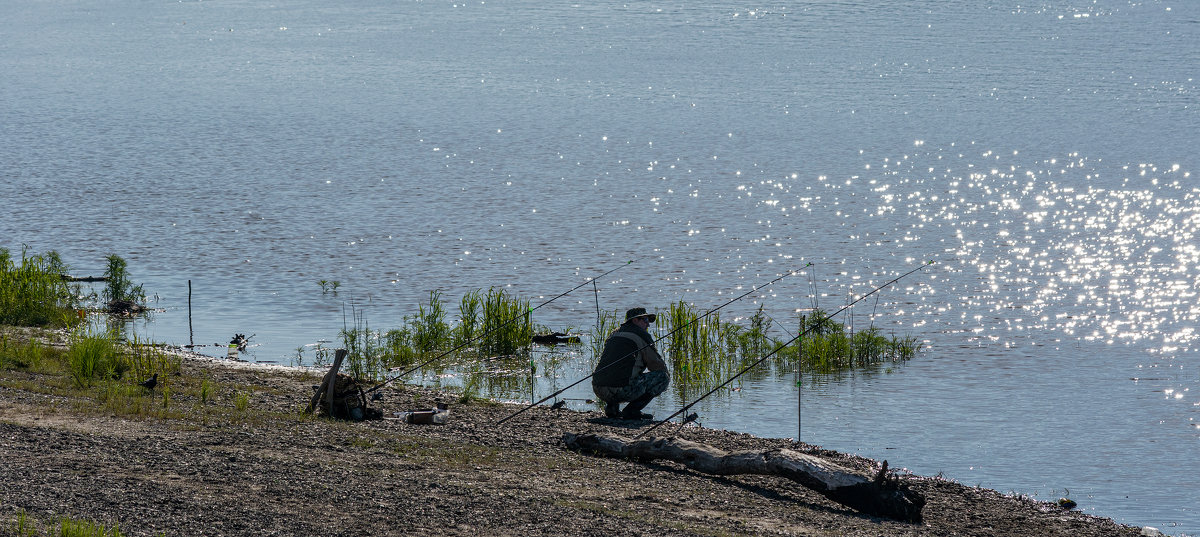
{"x": 492, "y": 323}
{"x": 507, "y": 323}
{"x": 121, "y": 295}
{"x": 365, "y": 354}
{"x": 35, "y": 292}
{"x": 705, "y": 351}
{"x": 695, "y": 344}
{"x": 606, "y": 323}
{"x": 830, "y": 348}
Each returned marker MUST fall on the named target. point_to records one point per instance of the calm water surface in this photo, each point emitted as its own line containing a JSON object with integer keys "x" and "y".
{"x": 1042, "y": 154}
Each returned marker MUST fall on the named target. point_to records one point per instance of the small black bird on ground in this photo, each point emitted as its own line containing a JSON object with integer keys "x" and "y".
{"x": 149, "y": 383}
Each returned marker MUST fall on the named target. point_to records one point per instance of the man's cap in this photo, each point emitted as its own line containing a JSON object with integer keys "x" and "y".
{"x": 639, "y": 312}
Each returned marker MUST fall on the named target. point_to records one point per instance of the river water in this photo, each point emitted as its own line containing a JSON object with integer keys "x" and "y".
{"x": 1042, "y": 154}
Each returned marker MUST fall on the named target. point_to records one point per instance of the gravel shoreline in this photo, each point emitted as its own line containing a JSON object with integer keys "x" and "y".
{"x": 210, "y": 468}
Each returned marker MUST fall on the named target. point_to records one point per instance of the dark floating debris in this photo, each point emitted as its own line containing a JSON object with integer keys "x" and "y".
{"x": 125, "y": 308}
{"x": 556, "y": 338}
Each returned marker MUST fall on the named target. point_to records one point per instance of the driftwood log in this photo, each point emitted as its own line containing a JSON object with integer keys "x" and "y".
{"x": 882, "y": 496}
{"x": 85, "y": 279}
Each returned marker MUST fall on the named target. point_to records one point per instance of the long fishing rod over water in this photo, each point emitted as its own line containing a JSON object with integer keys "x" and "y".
{"x": 493, "y": 329}
{"x": 777, "y": 349}
{"x": 639, "y": 349}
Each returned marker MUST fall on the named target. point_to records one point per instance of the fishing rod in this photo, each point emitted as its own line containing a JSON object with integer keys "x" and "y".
{"x": 777, "y": 349}
{"x": 639, "y": 349}
{"x": 493, "y": 329}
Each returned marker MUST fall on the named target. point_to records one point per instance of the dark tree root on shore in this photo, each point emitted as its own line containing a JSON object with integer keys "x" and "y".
{"x": 883, "y": 495}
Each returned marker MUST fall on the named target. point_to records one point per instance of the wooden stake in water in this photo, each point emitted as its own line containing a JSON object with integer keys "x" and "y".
{"x": 799, "y": 390}
{"x": 191, "y": 343}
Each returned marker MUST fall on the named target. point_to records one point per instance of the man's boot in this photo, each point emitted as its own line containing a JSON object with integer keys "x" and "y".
{"x": 633, "y": 411}
{"x": 612, "y": 409}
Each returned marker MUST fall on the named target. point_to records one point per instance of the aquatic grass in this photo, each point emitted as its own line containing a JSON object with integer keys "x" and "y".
{"x": 507, "y": 323}
{"x": 35, "y": 292}
{"x": 430, "y": 331}
{"x": 819, "y": 323}
{"x": 424, "y": 333}
{"x": 704, "y": 350}
{"x": 606, "y": 323}
{"x": 497, "y": 322}
{"x": 469, "y": 309}
{"x": 753, "y": 341}
{"x": 364, "y": 356}
{"x": 697, "y": 345}
{"x": 398, "y": 347}
{"x": 830, "y": 348}
{"x": 120, "y": 293}
{"x": 321, "y": 355}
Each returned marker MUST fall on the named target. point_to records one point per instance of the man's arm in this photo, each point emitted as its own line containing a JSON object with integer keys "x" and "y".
{"x": 653, "y": 361}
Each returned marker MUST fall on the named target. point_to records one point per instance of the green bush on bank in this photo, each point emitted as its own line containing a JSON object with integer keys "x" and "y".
{"x": 34, "y": 292}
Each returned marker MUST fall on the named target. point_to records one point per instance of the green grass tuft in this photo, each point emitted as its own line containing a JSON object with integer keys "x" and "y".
{"x": 241, "y": 401}
{"x": 94, "y": 356}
